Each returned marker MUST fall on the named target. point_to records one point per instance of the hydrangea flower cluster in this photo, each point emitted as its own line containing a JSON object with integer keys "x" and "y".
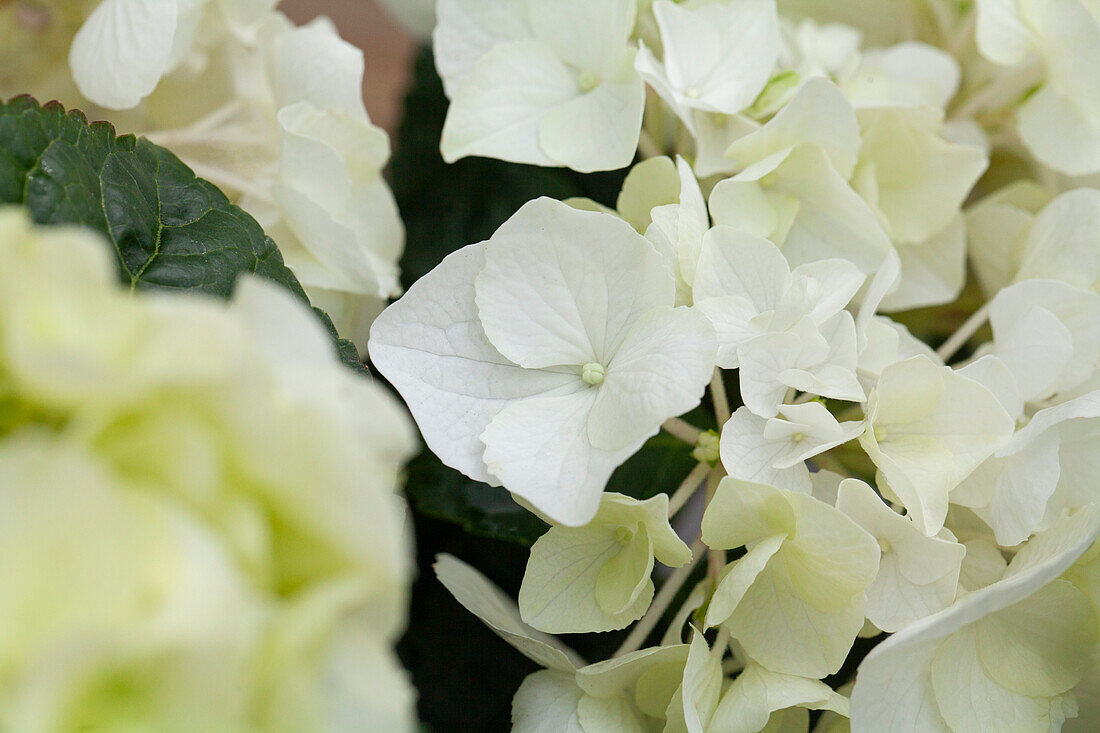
{"x": 199, "y": 526}
{"x": 270, "y": 112}
{"x": 905, "y": 454}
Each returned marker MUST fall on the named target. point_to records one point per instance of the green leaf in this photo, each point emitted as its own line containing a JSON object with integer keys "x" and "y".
{"x": 170, "y": 230}
{"x": 487, "y": 511}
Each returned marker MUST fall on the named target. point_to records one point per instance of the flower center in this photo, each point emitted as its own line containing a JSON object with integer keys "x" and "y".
{"x": 623, "y": 536}
{"x": 692, "y": 92}
{"x": 880, "y": 434}
{"x": 587, "y": 81}
{"x": 884, "y": 545}
{"x": 798, "y": 437}
{"x": 593, "y": 373}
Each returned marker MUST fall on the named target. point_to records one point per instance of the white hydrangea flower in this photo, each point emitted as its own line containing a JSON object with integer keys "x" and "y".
{"x": 746, "y": 288}
{"x": 678, "y": 229}
{"x": 917, "y": 182}
{"x": 125, "y": 47}
{"x": 928, "y": 428}
{"x": 819, "y": 360}
{"x": 917, "y": 575}
{"x": 545, "y": 357}
{"x": 793, "y": 185}
{"x": 1005, "y": 656}
{"x": 1059, "y": 122}
{"x": 597, "y": 577}
{"x": 717, "y": 57}
{"x": 774, "y": 451}
{"x": 761, "y": 700}
{"x": 567, "y": 694}
{"x": 1048, "y": 335}
{"x": 333, "y": 214}
{"x": 795, "y": 601}
{"x": 1044, "y": 471}
{"x": 242, "y": 473}
{"x": 548, "y": 82}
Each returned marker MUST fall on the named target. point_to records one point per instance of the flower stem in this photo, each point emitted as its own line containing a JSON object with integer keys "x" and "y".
{"x": 688, "y": 488}
{"x": 716, "y": 559}
{"x": 718, "y": 396}
{"x": 965, "y": 332}
{"x": 682, "y": 430}
{"x": 661, "y": 602}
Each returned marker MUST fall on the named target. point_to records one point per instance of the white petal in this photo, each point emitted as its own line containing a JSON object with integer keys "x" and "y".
{"x": 819, "y": 114}
{"x": 933, "y": 272}
{"x": 431, "y": 347}
{"x": 733, "y": 263}
{"x": 499, "y": 612}
{"x": 906, "y": 74}
{"x": 562, "y": 286}
{"x": 121, "y": 52}
{"x": 466, "y": 30}
{"x": 560, "y": 587}
{"x": 498, "y": 109}
{"x": 311, "y": 63}
{"x": 747, "y": 454}
{"x": 1059, "y": 134}
{"x": 1064, "y": 241}
{"x": 660, "y": 371}
{"x": 930, "y": 428}
{"x": 894, "y": 689}
{"x": 597, "y": 131}
{"x": 1002, "y": 36}
{"x": 547, "y": 702}
{"x": 590, "y": 36}
{"x": 540, "y": 450}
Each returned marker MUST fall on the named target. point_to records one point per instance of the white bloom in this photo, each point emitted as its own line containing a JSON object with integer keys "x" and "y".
{"x": 774, "y": 451}
{"x": 917, "y": 575}
{"x": 746, "y": 288}
{"x": 1058, "y": 123}
{"x": 677, "y": 231}
{"x": 1045, "y": 470}
{"x": 543, "y": 358}
{"x": 1004, "y": 657}
{"x": 918, "y": 181}
{"x": 549, "y": 82}
{"x": 795, "y": 601}
{"x": 928, "y": 428}
{"x": 333, "y": 215}
{"x": 717, "y": 56}
{"x": 1048, "y": 334}
{"x": 820, "y": 360}
{"x": 756, "y": 699}
{"x": 597, "y": 577}
{"x": 125, "y": 47}
{"x": 793, "y": 186}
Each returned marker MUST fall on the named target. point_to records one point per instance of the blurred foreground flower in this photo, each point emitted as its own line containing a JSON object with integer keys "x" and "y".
{"x": 199, "y": 525}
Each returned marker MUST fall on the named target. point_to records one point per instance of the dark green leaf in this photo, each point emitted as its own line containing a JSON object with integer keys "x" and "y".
{"x": 170, "y": 229}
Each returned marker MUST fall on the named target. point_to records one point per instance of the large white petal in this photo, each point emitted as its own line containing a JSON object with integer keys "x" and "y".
{"x": 598, "y": 130}
{"x": 466, "y": 30}
{"x": 540, "y": 450}
{"x": 431, "y": 347}
{"x": 818, "y": 114}
{"x": 894, "y": 689}
{"x": 498, "y": 109}
{"x": 562, "y": 286}
{"x": 660, "y": 371}
{"x": 548, "y": 701}
{"x": 121, "y": 52}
